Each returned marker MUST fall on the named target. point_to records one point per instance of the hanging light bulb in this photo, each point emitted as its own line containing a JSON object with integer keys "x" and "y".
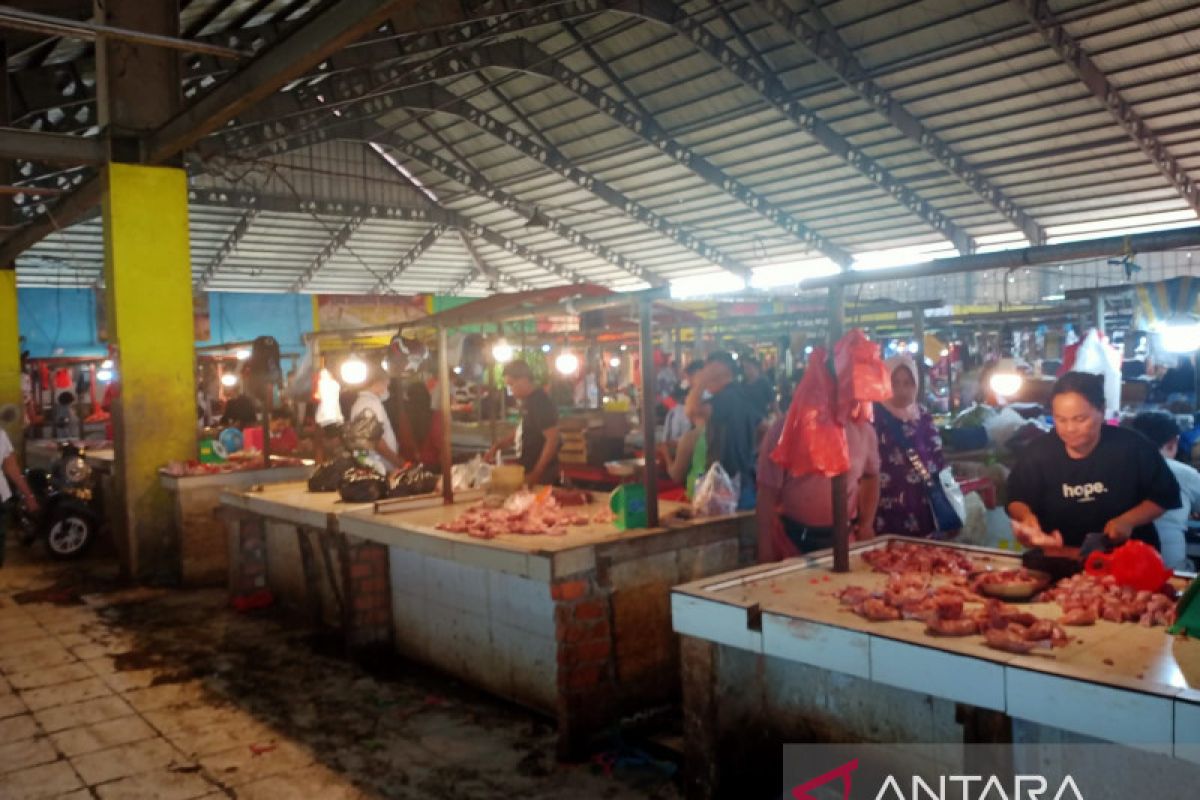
{"x": 229, "y": 380}
{"x": 353, "y": 371}
{"x": 567, "y": 363}
{"x": 614, "y": 362}
{"x": 243, "y": 355}
{"x": 1006, "y": 381}
{"x": 545, "y": 348}
{"x": 104, "y": 375}
{"x": 106, "y": 364}
{"x": 502, "y": 352}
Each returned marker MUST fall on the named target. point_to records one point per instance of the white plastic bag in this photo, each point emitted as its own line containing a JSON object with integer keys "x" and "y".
{"x": 954, "y": 492}
{"x": 329, "y": 407}
{"x": 716, "y": 493}
{"x": 1097, "y": 356}
{"x": 1003, "y": 426}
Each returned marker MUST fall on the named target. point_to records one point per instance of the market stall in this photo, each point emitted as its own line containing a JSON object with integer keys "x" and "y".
{"x": 556, "y": 599}
{"x": 203, "y": 549}
{"x": 809, "y": 668}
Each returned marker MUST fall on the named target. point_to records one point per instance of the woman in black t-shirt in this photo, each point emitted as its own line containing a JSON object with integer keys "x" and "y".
{"x": 1088, "y": 477}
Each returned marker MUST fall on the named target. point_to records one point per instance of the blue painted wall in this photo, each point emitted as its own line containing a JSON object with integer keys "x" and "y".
{"x": 63, "y": 321}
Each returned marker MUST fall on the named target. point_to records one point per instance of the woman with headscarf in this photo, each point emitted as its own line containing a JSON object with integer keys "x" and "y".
{"x": 905, "y": 430}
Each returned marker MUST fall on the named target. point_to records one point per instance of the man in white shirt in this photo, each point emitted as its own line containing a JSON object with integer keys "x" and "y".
{"x": 12, "y": 477}
{"x": 1161, "y": 430}
{"x": 386, "y": 456}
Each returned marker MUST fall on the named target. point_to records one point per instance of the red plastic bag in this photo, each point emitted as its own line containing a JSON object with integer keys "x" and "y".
{"x": 862, "y": 375}
{"x": 812, "y": 440}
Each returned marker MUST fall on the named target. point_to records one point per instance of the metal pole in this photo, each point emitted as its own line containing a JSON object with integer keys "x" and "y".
{"x": 919, "y": 335}
{"x": 1098, "y": 311}
{"x": 444, "y": 394}
{"x": 646, "y": 347}
{"x": 841, "y": 523}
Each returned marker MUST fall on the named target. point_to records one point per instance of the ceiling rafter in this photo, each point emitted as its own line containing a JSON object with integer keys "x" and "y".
{"x": 522, "y": 55}
{"x": 825, "y": 45}
{"x": 481, "y": 266}
{"x": 431, "y": 97}
{"x": 1044, "y": 21}
{"x": 461, "y": 171}
{"x": 339, "y": 240}
{"x": 768, "y": 87}
{"x": 226, "y": 249}
{"x": 304, "y": 47}
{"x": 410, "y": 257}
{"x": 631, "y": 99}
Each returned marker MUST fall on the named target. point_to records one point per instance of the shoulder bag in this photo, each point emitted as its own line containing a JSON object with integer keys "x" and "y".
{"x": 945, "y": 517}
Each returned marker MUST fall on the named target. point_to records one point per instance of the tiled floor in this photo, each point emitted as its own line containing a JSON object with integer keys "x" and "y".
{"x": 115, "y": 693}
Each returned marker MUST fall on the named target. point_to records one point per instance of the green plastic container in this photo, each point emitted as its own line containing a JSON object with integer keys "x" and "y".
{"x": 208, "y": 453}
{"x": 628, "y": 504}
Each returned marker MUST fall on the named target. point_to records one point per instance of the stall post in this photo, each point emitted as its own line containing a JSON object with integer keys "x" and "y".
{"x": 645, "y": 308}
{"x": 1099, "y": 307}
{"x": 918, "y": 313}
{"x": 447, "y": 417}
{"x": 841, "y": 525}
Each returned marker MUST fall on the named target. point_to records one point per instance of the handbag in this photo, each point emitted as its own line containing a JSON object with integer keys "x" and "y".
{"x": 945, "y": 517}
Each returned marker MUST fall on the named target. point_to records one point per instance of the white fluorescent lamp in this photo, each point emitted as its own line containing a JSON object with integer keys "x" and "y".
{"x": 912, "y": 347}
{"x": 104, "y": 375}
{"x": 1054, "y": 298}
{"x": 107, "y": 364}
{"x": 229, "y": 380}
{"x": 1006, "y": 381}
{"x": 567, "y": 363}
{"x": 502, "y": 352}
{"x": 353, "y": 371}
{"x": 243, "y": 355}
{"x": 707, "y": 285}
{"x": 1180, "y": 335}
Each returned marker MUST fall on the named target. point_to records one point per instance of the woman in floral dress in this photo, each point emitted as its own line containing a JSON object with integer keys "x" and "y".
{"x": 903, "y": 496}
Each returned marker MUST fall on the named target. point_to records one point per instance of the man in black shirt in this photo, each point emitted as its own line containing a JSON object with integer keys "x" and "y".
{"x": 537, "y": 435}
{"x": 731, "y": 418}
{"x": 1088, "y": 477}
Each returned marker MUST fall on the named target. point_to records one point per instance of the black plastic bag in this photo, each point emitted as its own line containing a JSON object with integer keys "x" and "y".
{"x": 362, "y": 485}
{"x": 328, "y": 475}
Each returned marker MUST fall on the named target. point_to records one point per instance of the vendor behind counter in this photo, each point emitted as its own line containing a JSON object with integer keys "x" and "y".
{"x": 1088, "y": 477}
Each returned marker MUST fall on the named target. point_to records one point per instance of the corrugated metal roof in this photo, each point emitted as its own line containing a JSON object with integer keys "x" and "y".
{"x": 975, "y": 74}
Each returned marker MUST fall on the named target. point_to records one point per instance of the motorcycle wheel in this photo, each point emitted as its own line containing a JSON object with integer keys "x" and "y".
{"x": 69, "y": 534}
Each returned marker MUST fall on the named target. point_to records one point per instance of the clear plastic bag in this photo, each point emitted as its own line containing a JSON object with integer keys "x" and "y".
{"x": 716, "y": 493}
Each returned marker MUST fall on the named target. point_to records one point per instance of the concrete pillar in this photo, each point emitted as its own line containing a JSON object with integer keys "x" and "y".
{"x": 10, "y": 337}
{"x": 10, "y": 356}
{"x": 147, "y": 274}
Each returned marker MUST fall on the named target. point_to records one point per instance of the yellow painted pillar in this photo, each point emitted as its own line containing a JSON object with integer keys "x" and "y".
{"x": 147, "y": 273}
{"x": 10, "y": 359}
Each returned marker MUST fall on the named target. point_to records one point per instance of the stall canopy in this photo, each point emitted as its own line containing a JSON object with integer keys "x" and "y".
{"x": 1162, "y": 300}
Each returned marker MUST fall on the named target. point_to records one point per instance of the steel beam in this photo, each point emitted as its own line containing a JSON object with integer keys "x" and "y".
{"x": 307, "y": 46}
{"x": 824, "y": 44}
{"x": 19, "y": 19}
{"x": 475, "y": 181}
{"x": 437, "y": 98}
{"x": 59, "y": 148}
{"x": 768, "y": 87}
{"x": 1109, "y": 246}
{"x": 331, "y": 248}
{"x": 408, "y": 259}
{"x": 481, "y": 266}
{"x": 521, "y": 55}
{"x": 1073, "y": 55}
{"x": 226, "y": 249}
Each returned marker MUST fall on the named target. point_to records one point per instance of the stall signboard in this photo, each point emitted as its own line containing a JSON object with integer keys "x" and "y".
{"x": 347, "y": 312}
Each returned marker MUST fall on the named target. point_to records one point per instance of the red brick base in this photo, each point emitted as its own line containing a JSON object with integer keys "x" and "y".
{"x": 368, "y": 594}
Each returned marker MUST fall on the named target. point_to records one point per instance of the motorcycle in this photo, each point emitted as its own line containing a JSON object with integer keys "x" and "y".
{"x": 69, "y": 513}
